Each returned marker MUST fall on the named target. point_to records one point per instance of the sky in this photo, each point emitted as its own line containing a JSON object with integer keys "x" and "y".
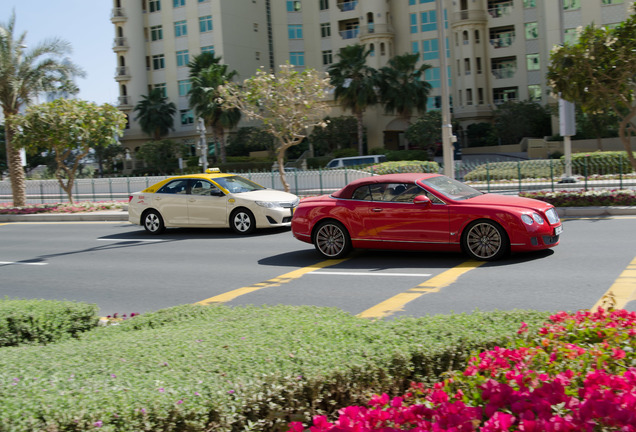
{"x": 86, "y": 25}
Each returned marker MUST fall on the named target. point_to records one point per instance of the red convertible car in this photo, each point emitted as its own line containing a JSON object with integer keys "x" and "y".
{"x": 418, "y": 211}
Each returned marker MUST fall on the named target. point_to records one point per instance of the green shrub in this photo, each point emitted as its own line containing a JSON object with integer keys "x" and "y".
{"x": 43, "y": 321}
{"x": 540, "y": 168}
{"x": 217, "y": 368}
{"x": 404, "y": 166}
{"x": 614, "y": 162}
{"x": 406, "y": 155}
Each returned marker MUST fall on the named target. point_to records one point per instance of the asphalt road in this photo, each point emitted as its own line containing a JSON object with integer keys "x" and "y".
{"x": 122, "y": 269}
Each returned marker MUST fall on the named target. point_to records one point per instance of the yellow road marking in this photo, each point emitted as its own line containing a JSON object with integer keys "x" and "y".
{"x": 622, "y": 291}
{"x": 435, "y": 284}
{"x": 277, "y": 281}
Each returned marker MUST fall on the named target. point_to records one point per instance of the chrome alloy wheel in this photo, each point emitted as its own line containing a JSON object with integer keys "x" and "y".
{"x": 332, "y": 240}
{"x": 485, "y": 241}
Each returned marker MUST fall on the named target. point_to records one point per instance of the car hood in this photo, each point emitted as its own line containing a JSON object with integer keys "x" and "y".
{"x": 509, "y": 201}
{"x": 267, "y": 195}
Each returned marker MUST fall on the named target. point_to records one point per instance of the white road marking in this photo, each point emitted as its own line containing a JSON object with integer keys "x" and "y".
{"x": 368, "y": 274}
{"x": 22, "y": 263}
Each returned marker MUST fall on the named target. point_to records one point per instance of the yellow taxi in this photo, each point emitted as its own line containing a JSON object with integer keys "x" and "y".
{"x": 211, "y": 200}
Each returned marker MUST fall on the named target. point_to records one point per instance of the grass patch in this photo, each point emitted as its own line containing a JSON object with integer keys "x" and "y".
{"x": 218, "y": 368}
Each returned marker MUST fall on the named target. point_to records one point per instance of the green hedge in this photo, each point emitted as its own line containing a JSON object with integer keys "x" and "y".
{"x": 195, "y": 368}
{"x": 540, "y": 168}
{"x": 404, "y": 166}
{"x": 600, "y": 163}
{"x": 43, "y": 321}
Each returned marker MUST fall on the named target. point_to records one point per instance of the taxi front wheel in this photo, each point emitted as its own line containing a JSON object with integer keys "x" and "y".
{"x": 242, "y": 221}
{"x": 153, "y": 222}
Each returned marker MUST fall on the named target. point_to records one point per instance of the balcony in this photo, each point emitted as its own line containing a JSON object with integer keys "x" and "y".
{"x": 349, "y": 34}
{"x": 122, "y": 73}
{"x": 124, "y": 102}
{"x": 376, "y": 30}
{"x": 470, "y": 15}
{"x": 347, "y": 5}
{"x": 502, "y": 41}
{"x": 118, "y": 15}
{"x": 497, "y": 10}
{"x": 120, "y": 44}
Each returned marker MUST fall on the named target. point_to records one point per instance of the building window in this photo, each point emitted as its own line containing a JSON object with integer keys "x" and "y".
{"x": 534, "y": 93}
{"x": 327, "y": 57}
{"x": 293, "y": 6}
{"x": 295, "y": 31}
{"x": 571, "y": 4}
{"x": 255, "y": 25}
{"x": 154, "y": 5}
{"x": 257, "y": 55}
{"x": 480, "y": 96}
{"x": 477, "y": 37}
{"x": 611, "y": 2}
{"x": 325, "y": 30}
{"x": 465, "y": 39}
{"x": 209, "y": 48}
{"x": 178, "y": 3}
{"x": 571, "y": 36}
{"x": 533, "y": 62}
{"x": 428, "y": 21}
{"x": 532, "y": 30}
{"x": 469, "y": 96}
{"x": 205, "y": 23}
{"x": 432, "y": 76}
{"x": 158, "y": 62}
{"x": 415, "y": 48}
{"x": 180, "y": 28}
{"x": 183, "y": 58}
{"x": 430, "y": 49}
{"x": 411, "y": 2}
{"x": 156, "y": 33}
{"x": 413, "y": 19}
{"x": 297, "y": 58}
{"x": 478, "y": 65}
{"x": 426, "y": 1}
{"x": 162, "y": 89}
{"x": 324, "y": 4}
{"x": 184, "y": 87}
{"x": 187, "y": 117}
{"x": 529, "y": 4}
{"x": 467, "y": 66}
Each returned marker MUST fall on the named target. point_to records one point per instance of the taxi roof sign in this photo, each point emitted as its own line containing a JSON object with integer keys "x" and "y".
{"x": 213, "y": 170}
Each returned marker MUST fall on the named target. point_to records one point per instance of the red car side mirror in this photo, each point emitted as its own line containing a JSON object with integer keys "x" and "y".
{"x": 422, "y": 200}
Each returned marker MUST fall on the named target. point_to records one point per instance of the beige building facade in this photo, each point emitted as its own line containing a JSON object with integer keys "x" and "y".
{"x": 497, "y": 50}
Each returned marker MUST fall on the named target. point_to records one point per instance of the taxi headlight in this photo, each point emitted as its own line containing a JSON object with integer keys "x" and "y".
{"x": 268, "y": 204}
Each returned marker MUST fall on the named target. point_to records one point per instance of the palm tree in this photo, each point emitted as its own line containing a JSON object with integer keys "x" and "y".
{"x": 402, "y": 86}
{"x": 206, "y": 101}
{"x": 23, "y": 75}
{"x": 355, "y": 83}
{"x": 201, "y": 62}
{"x": 155, "y": 114}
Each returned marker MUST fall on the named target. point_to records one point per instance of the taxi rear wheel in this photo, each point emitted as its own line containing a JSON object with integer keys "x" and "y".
{"x": 242, "y": 221}
{"x": 153, "y": 222}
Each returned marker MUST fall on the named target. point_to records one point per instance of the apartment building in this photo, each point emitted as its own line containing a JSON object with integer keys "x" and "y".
{"x": 497, "y": 50}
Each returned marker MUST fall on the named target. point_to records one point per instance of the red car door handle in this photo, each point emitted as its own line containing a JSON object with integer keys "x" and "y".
{"x": 376, "y": 210}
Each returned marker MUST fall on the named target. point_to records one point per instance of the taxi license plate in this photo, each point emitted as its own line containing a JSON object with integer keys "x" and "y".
{"x": 558, "y": 230}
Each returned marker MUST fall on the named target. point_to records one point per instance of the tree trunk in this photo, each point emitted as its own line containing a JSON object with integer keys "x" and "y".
{"x": 14, "y": 162}
{"x": 220, "y": 134}
{"x": 625, "y": 134}
{"x": 360, "y": 133}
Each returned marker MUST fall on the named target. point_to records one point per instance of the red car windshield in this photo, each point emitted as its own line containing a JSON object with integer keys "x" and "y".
{"x": 450, "y": 188}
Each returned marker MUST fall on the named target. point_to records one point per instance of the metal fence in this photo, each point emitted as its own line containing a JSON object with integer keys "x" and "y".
{"x": 496, "y": 177}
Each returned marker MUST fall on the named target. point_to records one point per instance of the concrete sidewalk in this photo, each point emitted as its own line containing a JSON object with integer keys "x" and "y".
{"x": 122, "y": 215}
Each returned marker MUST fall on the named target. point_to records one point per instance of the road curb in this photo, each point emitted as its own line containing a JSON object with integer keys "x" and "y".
{"x": 566, "y": 212}
{"x": 97, "y": 216}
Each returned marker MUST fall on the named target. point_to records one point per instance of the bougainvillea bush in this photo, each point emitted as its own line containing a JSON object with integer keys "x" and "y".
{"x": 581, "y": 198}
{"x": 577, "y": 373}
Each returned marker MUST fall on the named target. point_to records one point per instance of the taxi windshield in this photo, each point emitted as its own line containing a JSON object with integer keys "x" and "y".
{"x": 236, "y": 184}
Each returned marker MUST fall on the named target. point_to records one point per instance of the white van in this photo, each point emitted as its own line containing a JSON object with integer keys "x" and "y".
{"x": 355, "y": 161}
